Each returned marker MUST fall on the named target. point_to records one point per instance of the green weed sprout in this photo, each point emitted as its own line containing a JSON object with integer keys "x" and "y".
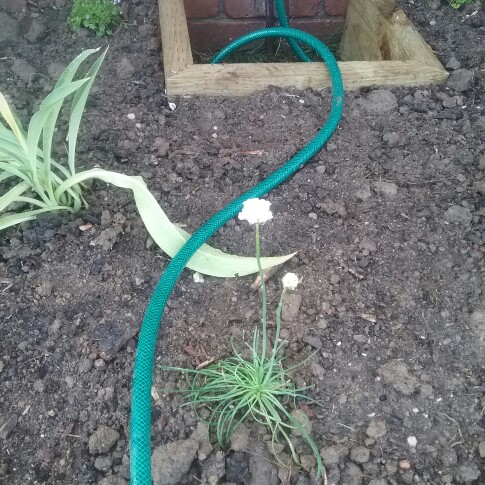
{"x": 99, "y": 16}
{"x": 32, "y": 182}
{"x": 459, "y": 3}
{"x": 259, "y": 388}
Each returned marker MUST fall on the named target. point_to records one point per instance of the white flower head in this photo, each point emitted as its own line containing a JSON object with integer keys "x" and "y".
{"x": 256, "y": 211}
{"x": 290, "y": 281}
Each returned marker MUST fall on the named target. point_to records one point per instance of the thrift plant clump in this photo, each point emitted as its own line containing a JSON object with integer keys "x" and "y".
{"x": 256, "y": 384}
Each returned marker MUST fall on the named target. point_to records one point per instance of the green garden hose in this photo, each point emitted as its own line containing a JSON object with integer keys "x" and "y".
{"x": 283, "y": 19}
{"x": 140, "y": 452}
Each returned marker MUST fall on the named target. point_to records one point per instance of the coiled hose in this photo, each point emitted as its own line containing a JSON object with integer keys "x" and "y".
{"x": 140, "y": 452}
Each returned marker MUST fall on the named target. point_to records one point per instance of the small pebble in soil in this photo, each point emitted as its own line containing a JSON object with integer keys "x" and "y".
{"x": 197, "y": 277}
{"x": 412, "y": 441}
{"x": 481, "y": 449}
{"x": 405, "y": 465}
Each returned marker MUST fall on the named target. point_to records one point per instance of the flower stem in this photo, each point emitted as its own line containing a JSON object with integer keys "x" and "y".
{"x": 263, "y": 291}
{"x": 278, "y": 321}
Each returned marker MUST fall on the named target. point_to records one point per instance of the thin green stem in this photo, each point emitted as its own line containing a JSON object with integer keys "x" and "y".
{"x": 263, "y": 292}
{"x": 278, "y": 322}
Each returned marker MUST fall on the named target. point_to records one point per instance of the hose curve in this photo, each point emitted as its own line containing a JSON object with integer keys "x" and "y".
{"x": 140, "y": 430}
{"x": 295, "y": 46}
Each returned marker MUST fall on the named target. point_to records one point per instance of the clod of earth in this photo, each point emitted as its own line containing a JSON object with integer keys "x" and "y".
{"x": 456, "y": 214}
{"x": 171, "y": 461}
{"x": 291, "y": 306}
{"x": 377, "y": 429}
{"x": 102, "y": 440}
{"x": 461, "y": 80}
{"x": 396, "y": 374}
{"x": 333, "y": 455}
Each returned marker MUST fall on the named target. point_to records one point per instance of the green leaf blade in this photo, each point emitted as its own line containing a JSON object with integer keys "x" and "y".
{"x": 170, "y": 238}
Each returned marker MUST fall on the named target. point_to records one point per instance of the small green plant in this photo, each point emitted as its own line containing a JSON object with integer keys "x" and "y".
{"x": 32, "y": 182}
{"x": 99, "y": 16}
{"x": 459, "y": 3}
{"x": 260, "y": 387}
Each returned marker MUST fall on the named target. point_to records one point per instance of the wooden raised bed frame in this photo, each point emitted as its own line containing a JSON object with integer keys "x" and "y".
{"x": 380, "y": 47}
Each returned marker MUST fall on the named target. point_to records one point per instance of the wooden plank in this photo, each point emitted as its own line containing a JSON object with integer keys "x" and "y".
{"x": 401, "y": 41}
{"x": 361, "y": 38}
{"x": 242, "y": 79}
{"x": 376, "y": 30}
{"x": 177, "y": 52}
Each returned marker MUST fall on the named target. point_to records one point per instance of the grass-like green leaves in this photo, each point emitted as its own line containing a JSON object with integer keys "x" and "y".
{"x": 258, "y": 387}
{"x": 32, "y": 182}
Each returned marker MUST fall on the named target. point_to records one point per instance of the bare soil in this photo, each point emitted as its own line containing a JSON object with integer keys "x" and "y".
{"x": 388, "y": 222}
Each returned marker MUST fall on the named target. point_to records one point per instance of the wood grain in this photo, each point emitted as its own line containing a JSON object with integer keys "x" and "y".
{"x": 177, "y": 52}
{"x": 242, "y": 79}
{"x": 380, "y": 47}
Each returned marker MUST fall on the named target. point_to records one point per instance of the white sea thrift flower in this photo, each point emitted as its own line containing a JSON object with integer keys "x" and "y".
{"x": 256, "y": 211}
{"x": 290, "y": 281}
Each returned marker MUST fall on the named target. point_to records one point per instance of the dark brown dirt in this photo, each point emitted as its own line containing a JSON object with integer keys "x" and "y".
{"x": 388, "y": 222}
